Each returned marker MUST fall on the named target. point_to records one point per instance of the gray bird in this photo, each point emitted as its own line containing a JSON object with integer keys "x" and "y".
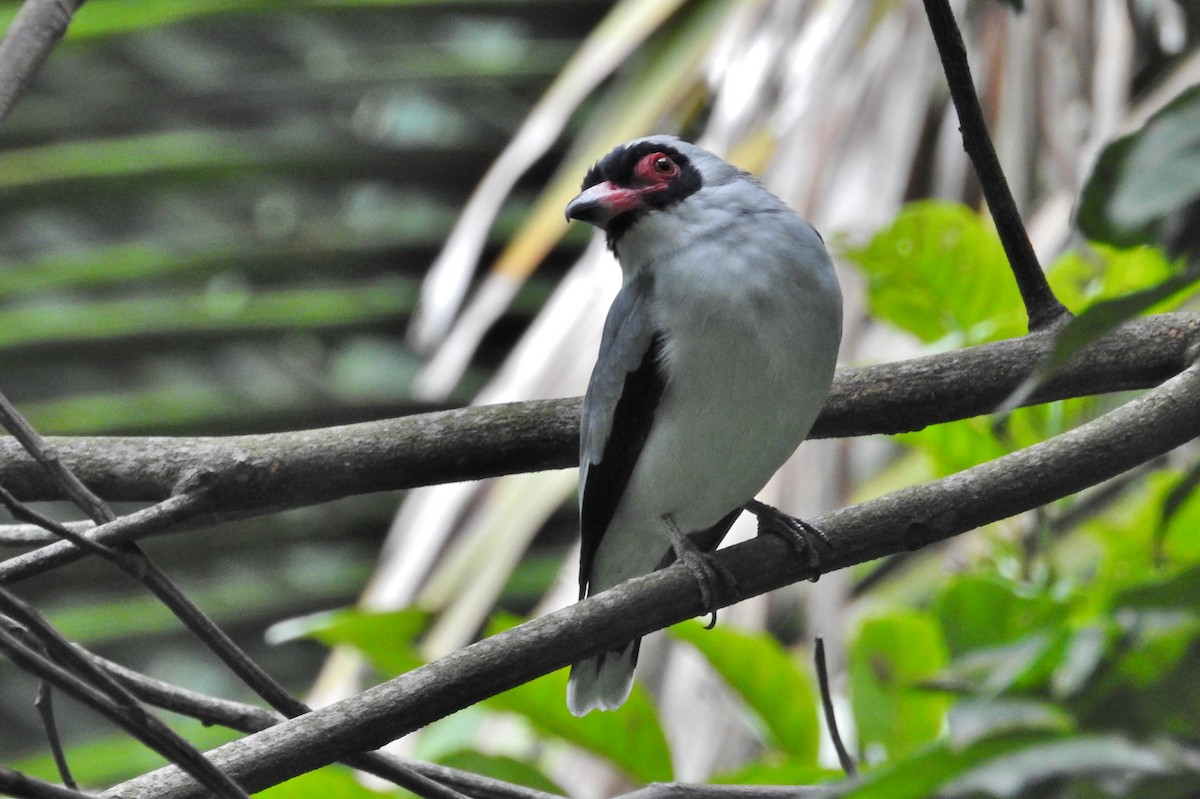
{"x": 717, "y": 355}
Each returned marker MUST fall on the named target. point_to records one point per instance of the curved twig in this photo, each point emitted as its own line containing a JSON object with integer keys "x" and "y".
{"x": 835, "y": 735}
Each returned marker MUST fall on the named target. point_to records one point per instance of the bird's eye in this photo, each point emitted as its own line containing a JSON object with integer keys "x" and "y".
{"x": 657, "y": 167}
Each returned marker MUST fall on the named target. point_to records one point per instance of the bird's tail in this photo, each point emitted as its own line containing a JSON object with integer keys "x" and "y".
{"x": 602, "y": 682}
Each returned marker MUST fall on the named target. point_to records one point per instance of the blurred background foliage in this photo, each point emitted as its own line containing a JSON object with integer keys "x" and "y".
{"x": 227, "y": 217}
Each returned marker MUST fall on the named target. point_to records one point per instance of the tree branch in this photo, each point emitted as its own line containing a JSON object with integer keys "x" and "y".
{"x": 219, "y": 479}
{"x": 129, "y": 557}
{"x": 78, "y": 678}
{"x": 249, "y": 718}
{"x": 1141, "y": 429}
{"x": 263, "y": 473}
{"x": 24, "y": 535}
{"x": 14, "y": 783}
{"x": 138, "y": 524}
{"x": 1042, "y": 307}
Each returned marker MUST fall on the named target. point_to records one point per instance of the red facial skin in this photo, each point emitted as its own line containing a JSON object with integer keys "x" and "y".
{"x": 601, "y": 203}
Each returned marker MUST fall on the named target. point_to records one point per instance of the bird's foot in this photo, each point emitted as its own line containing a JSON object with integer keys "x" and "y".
{"x": 800, "y": 534}
{"x": 711, "y": 576}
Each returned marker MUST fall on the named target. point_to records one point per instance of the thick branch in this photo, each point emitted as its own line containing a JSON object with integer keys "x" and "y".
{"x": 1041, "y": 305}
{"x": 1140, "y": 430}
{"x": 235, "y": 477}
{"x": 279, "y": 470}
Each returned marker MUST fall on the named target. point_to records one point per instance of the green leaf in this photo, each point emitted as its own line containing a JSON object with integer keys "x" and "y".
{"x": 1018, "y": 773}
{"x": 955, "y": 446}
{"x": 1099, "y": 320}
{"x": 1148, "y": 686}
{"x": 1022, "y": 664}
{"x": 219, "y": 311}
{"x": 1143, "y": 553}
{"x": 1180, "y": 589}
{"x": 958, "y": 445}
{"x": 118, "y": 757}
{"x": 1163, "y": 643}
{"x": 1142, "y": 179}
{"x": 1105, "y": 315}
{"x": 1179, "y": 501}
{"x": 327, "y": 783}
{"x": 110, "y": 17}
{"x": 890, "y": 656}
{"x": 939, "y": 271}
{"x": 978, "y": 611}
{"x": 921, "y": 774}
{"x": 1086, "y": 653}
{"x": 631, "y": 738}
{"x": 769, "y": 680}
{"x": 974, "y": 720}
{"x": 387, "y": 639}
{"x": 1177, "y": 537}
{"x": 1083, "y": 277}
{"x": 224, "y": 596}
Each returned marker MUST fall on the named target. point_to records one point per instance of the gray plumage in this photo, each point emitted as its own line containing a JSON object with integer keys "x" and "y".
{"x": 717, "y": 355}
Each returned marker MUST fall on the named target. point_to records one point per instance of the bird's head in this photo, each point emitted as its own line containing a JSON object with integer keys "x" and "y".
{"x": 639, "y": 178}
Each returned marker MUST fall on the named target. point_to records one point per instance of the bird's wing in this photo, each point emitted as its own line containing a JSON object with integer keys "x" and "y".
{"x": 618, "y": 411}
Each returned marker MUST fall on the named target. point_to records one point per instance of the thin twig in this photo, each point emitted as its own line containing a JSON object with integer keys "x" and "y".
{"x": 127, "y": 714}
{"x": 263, "y": 683}
{"x": 1042, "y": 307}
{"x": 248, "y": 718}
{"x": 84, "y": 498}
{"x": 44, "y": 703}
{"x": 139, "y": 524}
{"x": 104, "y": 694}
{"x": 22, "y": 786}
{"x": 22, "y": 512}
{"x": 24, "y": 535}
{"x": 848, "y": 764}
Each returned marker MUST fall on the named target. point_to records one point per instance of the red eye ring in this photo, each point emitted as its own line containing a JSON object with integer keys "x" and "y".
{"x": 657, "y": 168}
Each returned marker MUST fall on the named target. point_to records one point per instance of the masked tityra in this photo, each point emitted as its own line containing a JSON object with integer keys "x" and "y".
{"x": 716, "y": 357}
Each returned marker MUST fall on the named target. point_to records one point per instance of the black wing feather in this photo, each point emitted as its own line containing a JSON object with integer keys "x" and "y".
{"x": 618, "y": 413}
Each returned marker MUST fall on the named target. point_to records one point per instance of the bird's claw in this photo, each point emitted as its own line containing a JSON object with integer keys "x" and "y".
{"x": 711, "y": 575}
{"x": 800, "y": 534}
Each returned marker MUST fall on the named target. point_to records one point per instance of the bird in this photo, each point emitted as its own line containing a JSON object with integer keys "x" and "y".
{"x": 716, "y": 357}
